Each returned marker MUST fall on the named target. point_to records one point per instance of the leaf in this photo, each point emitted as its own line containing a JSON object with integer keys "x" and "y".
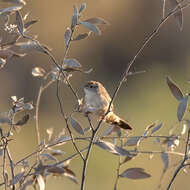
{"x": 135, "y": 173}
{"x": 26, "y": 184}
{"x": 15, "y": 1}
{"x": 112, "y": 148}
{"x": 24, "y": 120}
{"x": 177, "y": 93}
{"x": 156, "y": 128}
{"x": 49, "y": 131}
{"x": 19, "y": 22}
{"x": 91, "y": 27}
{"x": 7, "y": 54}
{"x": 10, "y": 10}
{"x": 132, "y": 141}
{"x": 182, "y": 108}
{"x": 81, "y": 36}
{"x": 82, "y": 7}
{"x": 108, "y": 131}
{"x": 41, "y": 182}
{"x": 38, "y": 72}
{"x": 76, "y": 126}
{"x": 74, "y": 21}
{"x": 70, "y": 174}
{"x": 165, "y": 160}
{"x": 2, "y": 62}
{"x": 61, "y": 140}
{"x": 71, "y": 65}
{"x": 184, "y": 129}
{"x": 178, "y": 15}
{"x": 31, "y": 45}
{"x": 16, "y": 178}
{"x": 28, "y": 106}
{"x": 49, "y": 157}
{"x": 56, "y": 170}
{"x": 30, "y": 23}
{"x": 96, "y": 20}
{"x": 57, "y": 152}
{"x": 67, "y": 36}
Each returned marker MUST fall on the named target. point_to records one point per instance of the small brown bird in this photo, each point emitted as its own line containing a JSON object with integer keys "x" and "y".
{"x": 97, "y": 101}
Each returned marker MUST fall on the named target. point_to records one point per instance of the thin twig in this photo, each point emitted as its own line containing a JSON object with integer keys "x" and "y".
{"x": 182, "y": 163}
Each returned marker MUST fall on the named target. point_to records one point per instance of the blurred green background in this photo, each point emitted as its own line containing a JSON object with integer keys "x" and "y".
{"x": 142, "y": 100}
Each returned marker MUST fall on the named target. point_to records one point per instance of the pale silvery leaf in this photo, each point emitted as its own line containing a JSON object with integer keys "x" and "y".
{"x": 38, "y": 72}
{"x": 57, "y": 152}
{"x": 67, "y": 36}
{"x": 182, "y": 108}
{"x": 176, "y": 91}
{"x": 135, "y": 173}
{"x": 82, "y": 7}
{"x": 9, "y": 10}
{"x": 81, "y": 36}
{"x": 112, "y": 148}
{"x": 71, "y": 65}
{"x": 96, "y": 20}
{"x": 165, "y": 160}
{"x": 16, "y": 1}
{"x": 75, "y": 18}
{"x": 76, "y": 126}
{"x": 30, "y": 23}
{"x": 156, "y": 128}
{"x": 28, "y": 106}
{"x": 19, "y": 22}
{"x": 48, "y": 157}
{"x": 91, "y": 27}
{"x": 49, "y": 131}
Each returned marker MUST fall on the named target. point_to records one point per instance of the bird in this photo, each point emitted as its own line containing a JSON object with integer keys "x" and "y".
{"x": 97, "y": 100}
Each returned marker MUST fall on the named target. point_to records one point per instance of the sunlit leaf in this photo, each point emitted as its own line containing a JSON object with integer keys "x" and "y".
{"x": 16, "y": 178}
{"x": 2, "y": 62}
{"x": 38, "y": 72}
{"x": 150, "y": 126}
{"x": 135, "y": 173}
{"x": 19, "y": 22}
{"x": 96, "y": 20}
{"x": 23, "y": 121}
{"x": 184, "y": 129}
{"x": 15, "y": 1}
{"x": 178, "y": 15}
{"x": 112, "y": 148}
{"x": 56, "y": 170}
{"x": 165, "y": 160}
{"x": 82, "y": 7}
{"x": 91, "y": 27}
{"x": 76, "y": 126}
{"x": 71, "y": 65}
{"x": 49, "y": 131}
{"x": 177, "y": 93}
{"x": 67, "y": 36}
{"x": 57, "y": 152}
{"x": 182, "y": 108}
{"x": 41, "y": 182}
{"x": 74, "y": 21}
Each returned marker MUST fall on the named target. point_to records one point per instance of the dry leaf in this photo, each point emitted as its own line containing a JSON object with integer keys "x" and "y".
{"x": 165, "y": 160}
{"x": 135, "y": 173}
{"x": 182, "y": 108}
{"x": 67, "y": 36}
{"x": 81, "y": 36}
{"x": 19, "y": 22}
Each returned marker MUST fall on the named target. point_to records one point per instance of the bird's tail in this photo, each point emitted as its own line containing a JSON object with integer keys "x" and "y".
{"x": 116, "y": 120}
